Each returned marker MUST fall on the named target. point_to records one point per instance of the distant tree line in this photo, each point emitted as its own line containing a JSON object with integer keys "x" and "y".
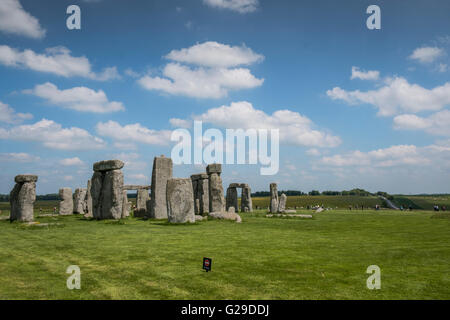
{"x": 353, "y": 192}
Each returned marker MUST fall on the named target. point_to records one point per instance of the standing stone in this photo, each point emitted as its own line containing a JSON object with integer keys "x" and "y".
{"x": 246, "y": 199}
{"x": 88, "y": 200}
{"x": 141, "y": 203}
{"x": 273, "y": 198}
{"x": 79, "y": 201}
{"x": 162, "y": 171}
{"x": 125, "y": 205}
{"x": 282, "y": 203}
{"x": 107, "y": 190}
{"x": 22, "y": 198}
{"x": 216, "y": 198}
{"x": 180, "y": 201}
{"x": 201, "y": 193}
{"x": 232, "y": 198}
{"x": 66, "y": 201}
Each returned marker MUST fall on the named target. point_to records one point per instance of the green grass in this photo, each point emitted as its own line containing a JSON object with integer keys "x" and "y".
{"x": 342, "y": 202}
{"x": 261, "y": 258}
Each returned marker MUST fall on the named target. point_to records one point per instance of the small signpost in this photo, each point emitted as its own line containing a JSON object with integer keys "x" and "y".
{"x": 207, "y": 262}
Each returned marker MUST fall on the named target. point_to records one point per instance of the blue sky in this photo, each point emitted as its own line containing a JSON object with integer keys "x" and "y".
{"x": 356, "y": 107}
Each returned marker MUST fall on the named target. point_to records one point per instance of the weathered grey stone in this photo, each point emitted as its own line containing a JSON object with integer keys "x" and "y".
{"x": 226, "y": 216}
{"x": 22, "y": 178}
{"x": 214, "y": 168}
{"x": 108, "y": 165}
{"x": 107, "y": 194}
{"x": 22, "y": 198}
{"x": 200, "y": 218}
{"x": 246, "y": 199}
{"x": 319, "y": 210}
{"x": 232, "y": 198}
{"x": 126, "y": 206}
{"x": 79, "y": 201}
{"x": 273, "y": 198}
{"x": 282, "y": 203}
{"x": 238, "y": 185}
{"x": 141, "y": 203}
{"x": 88, "y": 199}
{"x": 135, "y": 187}
{"x": 180, "y": 201}
{"x": 162, "y": 171}
{"x": 66, "y": 201}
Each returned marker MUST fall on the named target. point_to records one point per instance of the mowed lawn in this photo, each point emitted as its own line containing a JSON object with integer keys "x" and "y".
{"x": 261, "y": 258}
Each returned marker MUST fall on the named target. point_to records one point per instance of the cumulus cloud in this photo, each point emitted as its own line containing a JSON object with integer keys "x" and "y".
{"x": 393, "y": 156}
{"x": 397, "y": 95}
{"x": 426, "y": 54}
{"x": 18, "y": 157}
{"x": 436, "y": 124}
{"x": 133, "y": 133}
{"x": 52, "y": 135}
{"x": 15, "y": 20}
{"x": 180, "y": 123}
{"x": 295, "y": 129}
{"x": 8, "y": 115}
{"x": 69, "y": 162}
{"x": 79, "y": 98}
{"x": 57, "y": 60}
{"x": 214, "y": 54}
{"x": 214, "y": 74}
{"x": 364, "y": 75}
{"x": 241, "y": 6}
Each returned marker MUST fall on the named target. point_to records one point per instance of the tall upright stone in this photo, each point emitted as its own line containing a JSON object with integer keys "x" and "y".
{"x": 246, "y": 199}
{"x": 126, "y": 207}
{"x": 180, "y": 201}
{"x": 216, "y": 198}
{"x": 282, "y": 203}
{"x": 66, "y": 201}
{"x": 141, "y": 203}
{"x": 273, "y": 198}
{"x": 79, "y": 200}
{"x": 107, "y": 189}
{"x": 22, "y": 198}
{"x": 232, "y": 198}
{"x": 88, "y": 199}
{"x": 201, "y": 193}
{"x": 162, "y": 171}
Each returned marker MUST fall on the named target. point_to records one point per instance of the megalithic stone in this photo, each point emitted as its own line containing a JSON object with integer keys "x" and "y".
{"x": 141, "y": 203}
{"x": 282, "y": 203}
{"x": 125, "y": 205}
{"x": 216, "y": 198}
{"x": 79, "y": 202}
{"x": 232, "y": 198}
{"x": 246, "y": 199}
{"x": 201, "y": 193}
{"x": 107, "y": 190}
{"x": 162, "y": 171}
{"x": 88, "y": 200}
{"x": 180, "y": 201}
{"x": 66, "y": 201}
{"x": 22, "y": 198}
{"x": 273, "y": 198}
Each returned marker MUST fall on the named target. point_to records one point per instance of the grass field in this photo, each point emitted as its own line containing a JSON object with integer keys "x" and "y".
{"x": 342, "y": 202}
{"x": 261, "y": 258}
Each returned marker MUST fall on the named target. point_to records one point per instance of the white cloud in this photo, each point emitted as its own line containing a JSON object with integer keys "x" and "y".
{"x": 68, "y": 178}
{"x": 8, "y": 115}
{"x": 133, "y": 133}
{"x": 241, "y": 6}
{"x": 79, "y": 98}
{"x": 393, "y": 156}
{"x": 18, "y": 157}
{"x": 214, "y": 54}
{"x": 180, "y": 123}
{"x": 436, "y": 124}
{"x": 138, "y": 176}
{"x": 200, "y": 82}
{"x": 442, "y": 67}
{"x": 57, "y": 60}
{"x": 313, "y": 152}
{"x": 52, "y": 135}
{"x": 427, "y": 54}
{"x": 69, "y": 162}
{"x": 397, "y": 95}
{"x": 15, "y": 20}
{"x": 364, "y": 75}
{"x": 215, "y": 73}
{"x": 295, "y": 129}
